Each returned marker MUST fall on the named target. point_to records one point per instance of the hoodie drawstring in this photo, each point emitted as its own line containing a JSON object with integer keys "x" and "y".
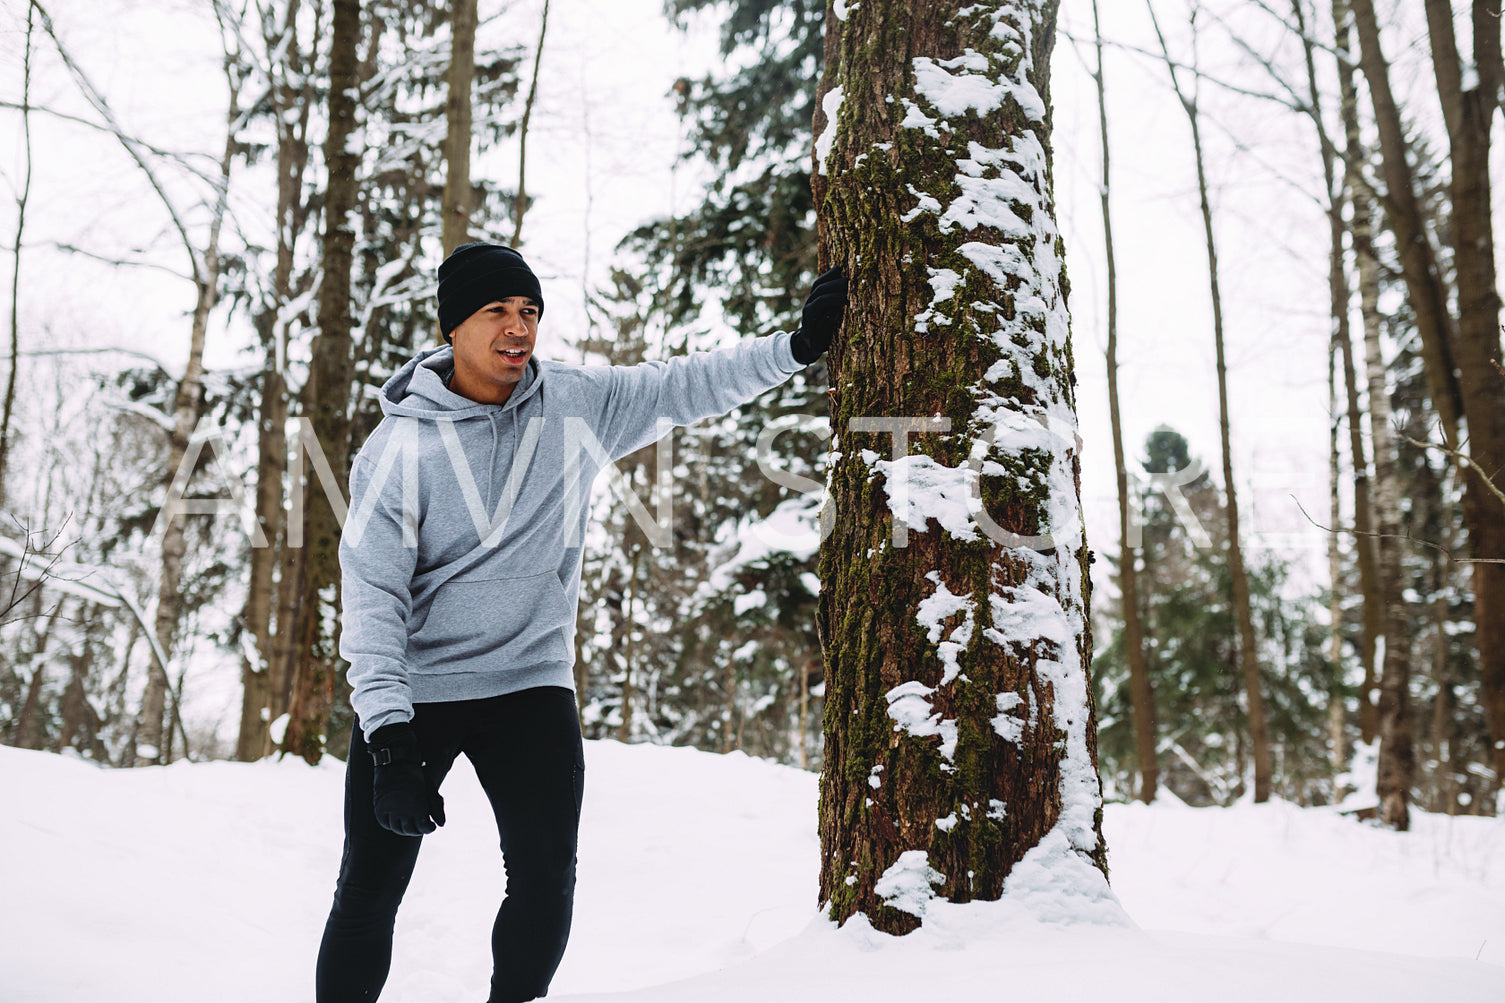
{"x": 491, "y": 467}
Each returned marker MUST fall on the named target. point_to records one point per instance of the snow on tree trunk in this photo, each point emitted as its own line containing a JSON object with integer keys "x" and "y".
{"x": 960, "y": 729}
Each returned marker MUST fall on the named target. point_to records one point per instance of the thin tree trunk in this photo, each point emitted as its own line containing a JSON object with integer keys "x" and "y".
{"x": 256, "y": 676}
{"x": 263, "y": 698}
{"x": 1403, "y": 214}
{"x": 186, "y": 407}
{"x": 15, "y": 272}
{"x": 1340, "y": 296}
{"x": 29, "y": 733}
{"x": 1337, "y": 745}
{"x": 804, "y": 731}
{"x": 456, "y": 206}
{"x": 327, "y": 399}
{"x": 959, "y": 725}
{"x": 629, "y": 596}
{"x": 285, "y": 641}
{"x": 520, "y": 203}
{"x": 1396, "y": 758}
{"x": 76, "y": 712}
{"x": 1259, "y": 736}
{"x": 1397, "y": 761}
{"x": 1469, "y": 114}
{"x": 1361, "y": 199}
{"x": 1141, "y": 692}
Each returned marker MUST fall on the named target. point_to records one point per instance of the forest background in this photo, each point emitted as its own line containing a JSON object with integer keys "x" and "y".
{"x": 627, "y": 165}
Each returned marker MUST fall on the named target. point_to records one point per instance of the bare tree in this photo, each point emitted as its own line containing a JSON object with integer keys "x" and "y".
{"x": 290, "y": 94}
{"x": 1469, "y": 103}
{"x": 15, "y": 273}
{"x": 1141, "y": 692}
{"x": 326, "y": 398}
{"x": 205, "y": 268}
{"x": 520, "y": 203}
{"x": 1259, "y": 735}
{"x": 455, "y": 209}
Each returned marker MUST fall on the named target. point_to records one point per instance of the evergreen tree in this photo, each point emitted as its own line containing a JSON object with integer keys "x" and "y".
{"x": 1192, "y": 651}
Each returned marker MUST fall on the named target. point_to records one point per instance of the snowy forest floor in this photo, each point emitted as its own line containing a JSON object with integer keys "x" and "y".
{"x": 697, "y": 883}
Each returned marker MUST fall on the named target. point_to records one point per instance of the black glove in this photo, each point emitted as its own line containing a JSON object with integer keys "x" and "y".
{"x": 821, "y": 317}
{"x": 404, "y": 802}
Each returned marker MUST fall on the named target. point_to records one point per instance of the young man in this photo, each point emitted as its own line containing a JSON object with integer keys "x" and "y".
{"x": 461, "y": 572}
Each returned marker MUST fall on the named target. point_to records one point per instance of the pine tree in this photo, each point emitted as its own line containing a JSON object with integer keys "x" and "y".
{"x": 1193, "y": 655}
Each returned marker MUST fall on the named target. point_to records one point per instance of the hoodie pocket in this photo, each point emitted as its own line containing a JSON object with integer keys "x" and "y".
{"x": 518, "y": 621}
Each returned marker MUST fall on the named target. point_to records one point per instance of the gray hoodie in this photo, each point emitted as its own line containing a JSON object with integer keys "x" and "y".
{"x": 461, "y": 554}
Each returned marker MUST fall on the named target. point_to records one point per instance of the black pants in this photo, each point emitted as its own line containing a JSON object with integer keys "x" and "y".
{"x": 526, "y": 750}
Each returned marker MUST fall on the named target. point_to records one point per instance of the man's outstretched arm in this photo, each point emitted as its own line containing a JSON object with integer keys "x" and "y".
{"x": 687, "y": 388}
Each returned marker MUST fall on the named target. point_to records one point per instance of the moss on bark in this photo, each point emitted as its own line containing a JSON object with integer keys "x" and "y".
{"x": 908, "y": 351}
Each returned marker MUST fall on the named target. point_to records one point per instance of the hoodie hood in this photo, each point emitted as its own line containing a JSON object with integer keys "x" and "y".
{"x": 417, "y": 390}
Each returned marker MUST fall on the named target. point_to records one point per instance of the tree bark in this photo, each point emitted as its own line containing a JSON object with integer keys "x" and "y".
{"x": 960, "y": 731}
{"x": 1391, "y": 713}
{"x": 263, "y": 699}
{"x": 1259, "y": 735}
{"x": 1340, "y": 296}
{"x": 456, "y": 208}
{"x": 1362, "y": 200}
{"x": 1337, "y": 744}
{"x": 1403, "y": 214}
{"x": 1469, "y": 114}
{"x": 326, "y": 399}
{"x": 1141, "y": 692}
{"x": 78, "y": 717}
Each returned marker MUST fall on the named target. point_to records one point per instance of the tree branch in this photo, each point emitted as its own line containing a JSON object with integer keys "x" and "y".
{"x": 1401, "y": 536}
{"x": 136, "y": 150}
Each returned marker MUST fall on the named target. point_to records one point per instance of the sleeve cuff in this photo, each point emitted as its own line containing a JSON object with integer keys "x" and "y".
{"x": 784, "y": 352}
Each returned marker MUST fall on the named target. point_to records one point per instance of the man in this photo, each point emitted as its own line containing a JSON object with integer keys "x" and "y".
{"x": 461, "y": 570}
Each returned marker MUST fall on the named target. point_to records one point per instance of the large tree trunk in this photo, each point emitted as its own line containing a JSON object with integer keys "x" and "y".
{"x": 326, "y": 399}
{"x": 455, "y": 208}
{"x": 1469, "y": 113}
{"x": 1142, "y": 694}
{"x": 1259, "y": 735}
{"x": 959, "y": 727}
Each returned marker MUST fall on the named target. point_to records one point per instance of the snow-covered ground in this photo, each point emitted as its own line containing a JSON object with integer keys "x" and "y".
{"x": 697, "y": 883}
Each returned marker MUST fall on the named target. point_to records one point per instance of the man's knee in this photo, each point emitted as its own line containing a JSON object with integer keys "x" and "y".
{"x": 541, "y": 869}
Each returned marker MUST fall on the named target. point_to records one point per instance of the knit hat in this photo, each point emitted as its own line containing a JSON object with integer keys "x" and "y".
{"x": 480, "y": 273}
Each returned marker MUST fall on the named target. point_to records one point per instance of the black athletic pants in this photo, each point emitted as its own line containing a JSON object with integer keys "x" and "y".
{"x": 526, "y": 750}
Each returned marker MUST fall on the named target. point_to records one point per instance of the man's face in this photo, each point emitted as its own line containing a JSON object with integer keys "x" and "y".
{"x": 492, "y": 348}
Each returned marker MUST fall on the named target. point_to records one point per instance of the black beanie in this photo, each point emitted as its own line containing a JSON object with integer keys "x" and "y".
{"x": 480, "y": 273}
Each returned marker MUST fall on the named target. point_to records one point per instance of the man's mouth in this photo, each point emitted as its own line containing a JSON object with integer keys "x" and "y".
{"x": 514, "y": 354}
